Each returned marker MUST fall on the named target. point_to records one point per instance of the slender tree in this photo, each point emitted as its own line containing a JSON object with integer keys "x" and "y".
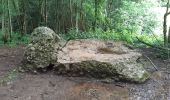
{"x": 165, "y": 25}
{"x": 9, "y": 20}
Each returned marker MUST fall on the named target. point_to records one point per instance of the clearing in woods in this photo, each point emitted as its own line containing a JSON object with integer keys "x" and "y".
{"x": 47, "y": 86}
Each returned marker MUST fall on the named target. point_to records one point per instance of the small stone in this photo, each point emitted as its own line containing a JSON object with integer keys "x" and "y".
{"x": 81, "y": 73}
{"x": 32, "y": 48}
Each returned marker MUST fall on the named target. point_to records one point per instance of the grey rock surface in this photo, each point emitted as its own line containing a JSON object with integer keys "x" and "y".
{"x": 84, "y": 57}
{"x": 41, "y": 51}
{"x": 101, "y": 59}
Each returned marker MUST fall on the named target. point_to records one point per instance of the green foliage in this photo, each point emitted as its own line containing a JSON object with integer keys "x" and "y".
{"x": 16, "y": 39}
{"x": 154, "y": 40}
{"x": 98, "y": 34}
{"x": 112, "y": 35}
{"x": 101, "y": 19}
{"x": 135, "y": 17}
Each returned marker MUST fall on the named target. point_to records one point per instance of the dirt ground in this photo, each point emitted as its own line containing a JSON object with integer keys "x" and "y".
{"x": 48, "y": 86}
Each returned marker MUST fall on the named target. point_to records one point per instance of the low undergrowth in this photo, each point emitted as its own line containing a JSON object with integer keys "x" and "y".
{"x": 16, "y": 39}
{"x": 126, "y": 36}
{"x": 130, "y": 38}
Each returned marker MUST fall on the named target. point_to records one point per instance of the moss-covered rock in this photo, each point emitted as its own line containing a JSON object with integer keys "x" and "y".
{"x": 41, "y": 51}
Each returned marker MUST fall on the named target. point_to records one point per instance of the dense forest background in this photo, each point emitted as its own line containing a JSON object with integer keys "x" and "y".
{"x": 103, "y": 19}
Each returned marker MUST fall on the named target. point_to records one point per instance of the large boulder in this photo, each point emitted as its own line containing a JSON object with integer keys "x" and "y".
{"x": 101, "y": 59}
{"x": 41, "y": 51}
{"x": 84, "y": 57}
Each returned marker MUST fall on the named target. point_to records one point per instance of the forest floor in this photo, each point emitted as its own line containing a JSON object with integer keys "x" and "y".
{"x": 48, "y": 86}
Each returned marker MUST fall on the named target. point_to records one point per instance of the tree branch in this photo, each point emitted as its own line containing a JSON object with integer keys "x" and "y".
{"x": 167, "y": 7}
{"x": 152, "y": 63}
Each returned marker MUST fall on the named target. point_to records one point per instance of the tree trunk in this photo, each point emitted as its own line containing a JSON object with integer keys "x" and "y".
{"x": 46, "y": 16}
{"x": 165, "y": 31}
{"x": 169, "y": 36}
{"x": 71, "y": 12}
{"x": 9, "y": 21}
{"x": 24, "y": 24}
{"x": 24, "y": 18}
{"x": 96, "y": 13}
{"x": 165, "y": 25}
{"x": 3, "y": 22}
{"x": 77, "y": 18}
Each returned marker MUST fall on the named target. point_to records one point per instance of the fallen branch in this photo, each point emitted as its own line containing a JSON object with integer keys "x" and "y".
{"x": 161, "y": 48}
{"x": 152, "y": 63}
{"x": 61, "y": 48}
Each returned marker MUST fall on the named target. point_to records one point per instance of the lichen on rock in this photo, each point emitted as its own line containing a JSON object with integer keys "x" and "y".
{"x": 86, "y": 58}
{"x": 41, "y": 51}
